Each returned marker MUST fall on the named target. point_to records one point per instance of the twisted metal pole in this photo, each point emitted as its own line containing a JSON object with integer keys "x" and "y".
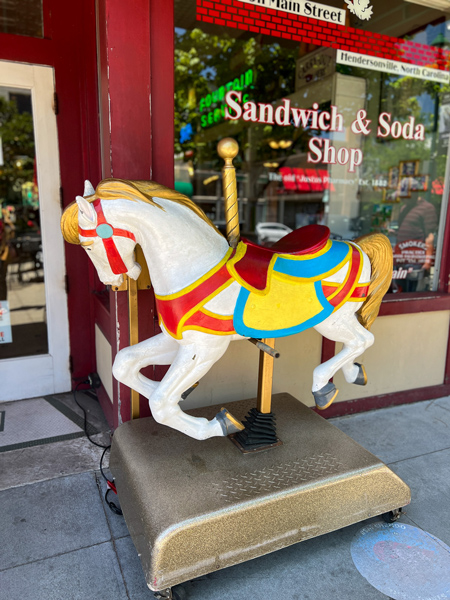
{"x": 228, "y": 150}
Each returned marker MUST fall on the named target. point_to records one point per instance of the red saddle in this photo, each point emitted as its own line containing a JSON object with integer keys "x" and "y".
{"x": 253, "y": 266}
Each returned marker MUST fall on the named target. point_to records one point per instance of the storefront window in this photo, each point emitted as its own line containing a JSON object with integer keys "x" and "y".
{"x": 23, "y": 321}
{"x": 342, "y": 119}
{"x": 22, "y": 17}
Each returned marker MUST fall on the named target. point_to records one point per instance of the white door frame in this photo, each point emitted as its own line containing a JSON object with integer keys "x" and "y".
{"x": 46, "y": 373}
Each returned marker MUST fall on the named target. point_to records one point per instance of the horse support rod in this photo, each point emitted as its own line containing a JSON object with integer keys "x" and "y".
{"x": 264, "y": 347}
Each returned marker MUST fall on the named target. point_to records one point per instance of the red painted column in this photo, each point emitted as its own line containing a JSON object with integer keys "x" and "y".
{"x": 136, "y": 108}
{"x": 124, "y": 40}
{"x": 163, "y": 75}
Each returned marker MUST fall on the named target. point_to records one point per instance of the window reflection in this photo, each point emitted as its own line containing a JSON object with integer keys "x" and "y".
{"x": 398, "y": 187}
{"x": 22, "y": 17}
{"x": 23, "y": 328}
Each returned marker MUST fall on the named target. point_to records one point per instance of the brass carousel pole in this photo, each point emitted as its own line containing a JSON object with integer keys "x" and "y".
{"x": 259, "y": 432}
{"x": 228, "y": 150}
{"x": 132, "y": 289}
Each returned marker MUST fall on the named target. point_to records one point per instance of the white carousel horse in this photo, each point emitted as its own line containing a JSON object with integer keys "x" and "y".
{"x": 209, "y": 294}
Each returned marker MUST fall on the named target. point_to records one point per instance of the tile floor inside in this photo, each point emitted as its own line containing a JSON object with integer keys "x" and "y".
{"x": 60, "y": 540}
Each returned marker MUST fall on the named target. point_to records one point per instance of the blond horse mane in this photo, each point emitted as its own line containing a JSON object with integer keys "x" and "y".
{"x": 113, "y": 189}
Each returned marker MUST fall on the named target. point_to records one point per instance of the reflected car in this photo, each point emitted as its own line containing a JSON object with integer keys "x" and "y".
{"x": 269, "y": 233}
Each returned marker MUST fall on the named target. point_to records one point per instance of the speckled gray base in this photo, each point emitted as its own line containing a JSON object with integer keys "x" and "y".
{"x": 195, "y": 507}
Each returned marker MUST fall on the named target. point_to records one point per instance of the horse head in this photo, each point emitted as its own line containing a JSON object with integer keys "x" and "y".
{"x": 90, "y": 222}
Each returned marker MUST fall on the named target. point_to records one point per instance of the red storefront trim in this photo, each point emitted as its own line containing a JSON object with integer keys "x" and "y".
{"x": 19, "y": 48}
{"x": 102, "y": 318}
{"x": 350, "y": 407}
{"x": 403, "y": 304}
{"x": 106, "y": 404}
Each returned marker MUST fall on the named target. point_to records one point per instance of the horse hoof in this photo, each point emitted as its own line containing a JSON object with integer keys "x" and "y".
{"x": 362, "y": 375}
{"x": 229, "y": 423}
{"x": 325, "y": 396}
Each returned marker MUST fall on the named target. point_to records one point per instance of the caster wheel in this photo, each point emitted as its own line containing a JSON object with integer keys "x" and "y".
{"x": 163, "y": 594}
{"x": 171, "y": 594}
{"x": 179, "y": 594}
{"x": 392, "y": 515}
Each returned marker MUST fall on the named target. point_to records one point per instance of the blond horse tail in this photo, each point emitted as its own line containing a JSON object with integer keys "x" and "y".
{"x": 379, "y": 250}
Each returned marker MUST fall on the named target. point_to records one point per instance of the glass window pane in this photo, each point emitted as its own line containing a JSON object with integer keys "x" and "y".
{"x": 354, "y": 129}
{"x": 23, "y": 17}
{"x": 23, "y": 322}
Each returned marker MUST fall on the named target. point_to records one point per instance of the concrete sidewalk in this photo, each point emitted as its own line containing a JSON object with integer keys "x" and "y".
{"x": 59, "y": 540}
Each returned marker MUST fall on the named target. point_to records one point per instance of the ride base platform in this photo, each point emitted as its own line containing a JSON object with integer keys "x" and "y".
{"x": 193, "y": 507}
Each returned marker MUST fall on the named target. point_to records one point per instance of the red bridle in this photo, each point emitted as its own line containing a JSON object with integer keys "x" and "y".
{"x": 106, "y": 231}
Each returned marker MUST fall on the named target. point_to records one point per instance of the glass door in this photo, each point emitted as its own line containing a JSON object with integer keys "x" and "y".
{"x": 34, "y": 340}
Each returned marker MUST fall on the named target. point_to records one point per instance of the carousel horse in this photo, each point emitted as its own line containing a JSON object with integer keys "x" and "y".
{"x": 208, "y": 294}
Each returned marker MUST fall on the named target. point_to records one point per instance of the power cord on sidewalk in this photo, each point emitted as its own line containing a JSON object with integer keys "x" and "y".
{"x": 94, "y": 382}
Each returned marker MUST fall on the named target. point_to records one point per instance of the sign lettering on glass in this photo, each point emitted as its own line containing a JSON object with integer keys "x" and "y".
{"x": 321, "y": 150}
{"x": 304, "y": 8}
{"x": 395, "y": 67}
{"x": 5, "y": 323}
{"x": 212, "y": 106}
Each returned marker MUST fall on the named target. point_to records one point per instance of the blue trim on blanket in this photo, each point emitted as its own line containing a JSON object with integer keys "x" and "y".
{"x": 313, "y": 267}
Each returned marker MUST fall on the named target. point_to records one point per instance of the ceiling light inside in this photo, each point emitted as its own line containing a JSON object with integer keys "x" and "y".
{"x": 437, "y": 4}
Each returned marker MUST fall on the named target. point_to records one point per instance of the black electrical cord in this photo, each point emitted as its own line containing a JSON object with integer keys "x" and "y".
{"x": 74, "y": 392}
{"x": 111, "y": 487}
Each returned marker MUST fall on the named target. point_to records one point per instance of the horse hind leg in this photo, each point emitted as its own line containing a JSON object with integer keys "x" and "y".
{"x": 344, "y": 328}
{"x": 355, "y": 372}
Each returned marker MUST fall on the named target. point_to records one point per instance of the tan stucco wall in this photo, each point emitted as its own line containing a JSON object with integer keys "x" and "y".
{"x": 103, "y": 354}
{"x": 409, "y": 352}
{"x": 235, "y": 376}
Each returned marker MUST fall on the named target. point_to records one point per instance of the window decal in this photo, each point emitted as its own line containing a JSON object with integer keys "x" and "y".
{"x": 281, "y": 24}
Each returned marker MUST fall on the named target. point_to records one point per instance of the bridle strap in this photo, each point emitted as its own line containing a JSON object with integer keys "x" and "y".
{"x": 116, "y": 263}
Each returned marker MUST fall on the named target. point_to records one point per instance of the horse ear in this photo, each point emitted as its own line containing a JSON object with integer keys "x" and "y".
{"x": 88, "y": 188}
{"x": 86, "y": 209}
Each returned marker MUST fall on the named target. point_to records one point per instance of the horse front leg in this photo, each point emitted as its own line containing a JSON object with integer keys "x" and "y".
{"x": 158, "y": 350}
{"x": 192, "y": 362}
